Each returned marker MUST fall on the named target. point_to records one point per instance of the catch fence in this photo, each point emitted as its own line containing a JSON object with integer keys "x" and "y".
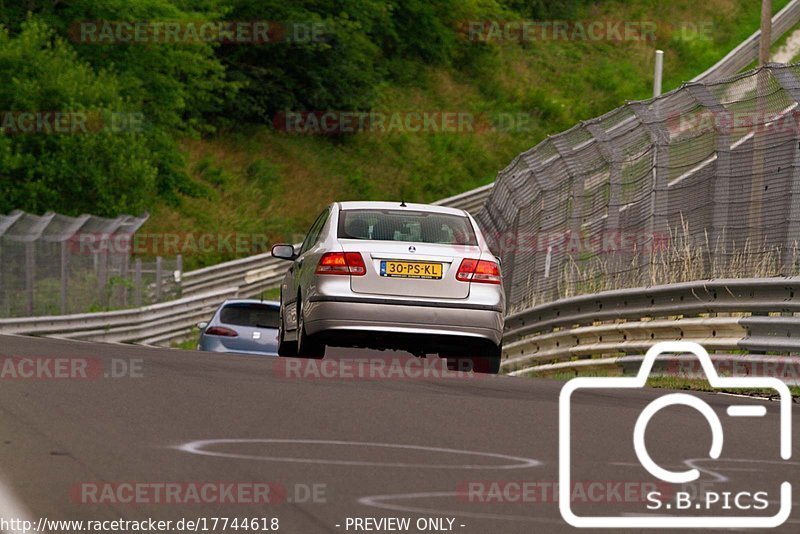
{"x": 701, "y": 182}
{"x": 56, "y": 264}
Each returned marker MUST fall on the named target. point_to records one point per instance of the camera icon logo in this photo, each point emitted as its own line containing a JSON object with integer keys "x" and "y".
{"x": 675, "y": 477}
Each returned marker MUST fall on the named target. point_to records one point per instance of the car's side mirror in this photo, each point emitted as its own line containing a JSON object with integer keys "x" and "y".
{"x": 284, "y": 252}
{"x": 202, "y": 325}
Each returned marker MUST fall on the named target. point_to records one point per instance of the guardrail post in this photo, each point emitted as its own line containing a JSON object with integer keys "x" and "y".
{"x": 30, "y": 275}
{"x": 123, "y": 274}
{"x": 159, "y": 277}
{"x": 64, "y": 276}
{"x": 102, "y": 271}
{"x": 755, "y": 213}
{"x": 577, "y": 180}
{"x": 137, "y": 282}
{"x": 509, "y": 258}
{"x": 791, "y": 85}
{"x": 792, "y": 246}
{"x": 657, "y": 222}
{"x": 657, "y": 75}
{"x": 611, "y": 153}
{"x": 179, "y": 270}
{"x": 721, "y": 200}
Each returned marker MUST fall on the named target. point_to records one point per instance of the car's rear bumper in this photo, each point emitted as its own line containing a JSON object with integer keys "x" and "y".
{"x": 210, "y": 344}
{"x": 336, "y": 316}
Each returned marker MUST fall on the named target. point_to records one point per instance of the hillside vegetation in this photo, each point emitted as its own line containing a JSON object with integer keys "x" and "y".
{"x": 195, "y": 132}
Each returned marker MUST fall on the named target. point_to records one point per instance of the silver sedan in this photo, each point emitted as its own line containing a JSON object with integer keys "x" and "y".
{"x": 391, "y": 275}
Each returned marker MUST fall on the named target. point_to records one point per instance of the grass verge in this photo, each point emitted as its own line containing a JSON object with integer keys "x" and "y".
{"x": 676, "y": 383}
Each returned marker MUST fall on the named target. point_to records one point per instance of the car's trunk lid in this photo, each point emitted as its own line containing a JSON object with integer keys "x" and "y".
{"x": 425, "y": 257}
{"x": 250, "y": 338}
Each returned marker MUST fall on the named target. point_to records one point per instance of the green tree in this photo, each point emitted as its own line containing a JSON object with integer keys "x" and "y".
{"x": 177, "y": 85}
{"x": 322, "y": 56}
{"x": 93, "y": 169}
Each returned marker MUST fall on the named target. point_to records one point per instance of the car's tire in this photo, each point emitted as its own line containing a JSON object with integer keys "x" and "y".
{"x": 457, "y": 363}
{"x": 487, "y": 361}
{"x": 285, "y": 348}
{"x": 308, "y": 346}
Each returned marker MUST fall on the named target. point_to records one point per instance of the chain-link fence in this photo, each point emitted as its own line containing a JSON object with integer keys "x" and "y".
{"x": 702, "y": 182}
{"x": 55, "y": 264}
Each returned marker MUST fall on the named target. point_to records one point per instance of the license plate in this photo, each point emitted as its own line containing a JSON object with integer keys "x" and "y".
{"x": 411, "y": 269}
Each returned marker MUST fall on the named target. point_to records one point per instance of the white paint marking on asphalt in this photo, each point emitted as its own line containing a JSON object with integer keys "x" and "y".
{"x": 12, "y": 508}
{"x": 92, "y": 342}
{"x": 200, "y": 447}
{"x": 380, "y": 501}
{"x": 751, "y": 397}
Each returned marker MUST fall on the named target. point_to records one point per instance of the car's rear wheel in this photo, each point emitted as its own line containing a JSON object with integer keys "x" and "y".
{"x": 488, "y": 364}
{"x": 285, "y": 348}
{"x": 308, "y": 346}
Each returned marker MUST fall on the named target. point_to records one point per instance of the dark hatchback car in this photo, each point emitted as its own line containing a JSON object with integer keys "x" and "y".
{"x": 244, "y": 326}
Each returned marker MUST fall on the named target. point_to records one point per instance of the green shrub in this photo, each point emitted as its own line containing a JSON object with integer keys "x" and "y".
{"x": 99, "y": 171}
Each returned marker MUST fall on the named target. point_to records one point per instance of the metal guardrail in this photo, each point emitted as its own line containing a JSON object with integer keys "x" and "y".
{"x": 747, "y": 52}
{"x": 252, "y": 275}
{"x": 786, "y": 368}
{"x": 147, "y": 325}
{"x": 734, "y": 315}
{"x": 471, "y": 200}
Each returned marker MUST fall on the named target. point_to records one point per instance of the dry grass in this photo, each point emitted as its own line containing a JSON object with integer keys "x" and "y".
{"x": 685, "y": 258}
{"x": 668, "y": 382}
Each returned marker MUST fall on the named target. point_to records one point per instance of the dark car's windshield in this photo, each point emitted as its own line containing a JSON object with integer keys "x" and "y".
{"x": 250, "y": 314}
{"x": 406, "y": 225}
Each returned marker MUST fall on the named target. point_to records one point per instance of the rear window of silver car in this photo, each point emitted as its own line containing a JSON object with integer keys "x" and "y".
{"x": 250, "y": 314}
{"x": 406, "y": 225}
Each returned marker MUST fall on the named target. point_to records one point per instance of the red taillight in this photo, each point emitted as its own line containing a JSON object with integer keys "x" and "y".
{"x": 220, "y": 331}
{"x": 481, "y": 271}
{"x": 487, "y": 272}
{"x": 466, "y": 269}
{"x": 342, "y": 263}
{"x": 356, "y": 263}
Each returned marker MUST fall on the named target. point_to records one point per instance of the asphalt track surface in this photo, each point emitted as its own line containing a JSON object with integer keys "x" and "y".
{"x": 370, "y": 447}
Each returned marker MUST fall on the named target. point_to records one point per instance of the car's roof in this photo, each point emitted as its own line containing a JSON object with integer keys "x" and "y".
{"x": 361, "y": 205}
{"x": 252, "y": 301}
